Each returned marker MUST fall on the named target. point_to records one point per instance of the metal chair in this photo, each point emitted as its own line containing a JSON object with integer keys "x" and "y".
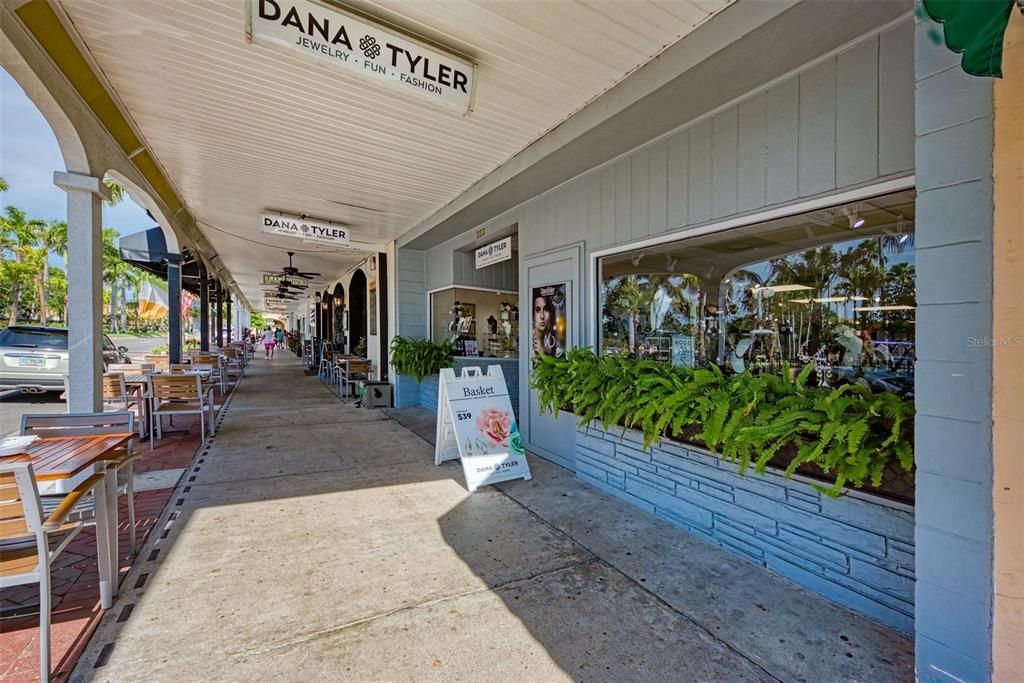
{"x": 117, "y": 398}
{"x": 123, "y": 463}
{"x": 179, "y": 395}
{"x": 159, "y": 363}
{"x": 131, "y": 368}
{"x": 215, "y": 362}
{"x": 355, "y": 369}
{"x": 30, "y": 543}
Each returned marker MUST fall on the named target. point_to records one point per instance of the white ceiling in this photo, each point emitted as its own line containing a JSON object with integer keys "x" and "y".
{"x": 240, "y": 127}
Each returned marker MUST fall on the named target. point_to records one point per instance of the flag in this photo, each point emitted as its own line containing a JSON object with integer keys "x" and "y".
{"x": 152, "y": 302}
{"x": 187, "y": 299}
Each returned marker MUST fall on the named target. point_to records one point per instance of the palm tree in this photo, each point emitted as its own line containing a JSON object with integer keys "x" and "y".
{"x": 52, "y": 239}
{"x": 3, "y": 185}
{"x": 113, "y": 270}
{"x": 117, "y": 191}
{"x": 18, "y": 238}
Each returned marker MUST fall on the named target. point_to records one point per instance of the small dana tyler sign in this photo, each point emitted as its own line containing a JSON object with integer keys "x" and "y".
{"x": 366, "y": 49}
{"x": 476, "y": 425}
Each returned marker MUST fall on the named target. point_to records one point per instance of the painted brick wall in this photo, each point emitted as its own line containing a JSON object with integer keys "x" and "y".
{"x": 428, "y": 392}
{"x": 953, "y": 441}
{"x": 853, "y": 551}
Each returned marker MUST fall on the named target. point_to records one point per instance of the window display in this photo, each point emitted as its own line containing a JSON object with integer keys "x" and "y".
{"x": 834, "y": 287}
{"x": 476, "y": 322}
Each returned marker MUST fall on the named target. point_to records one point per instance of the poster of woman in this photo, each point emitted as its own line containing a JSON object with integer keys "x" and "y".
{"x": 549, "y": 320}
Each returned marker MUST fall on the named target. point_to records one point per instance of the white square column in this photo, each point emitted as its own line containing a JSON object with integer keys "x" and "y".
{"x": 85, "y": 289}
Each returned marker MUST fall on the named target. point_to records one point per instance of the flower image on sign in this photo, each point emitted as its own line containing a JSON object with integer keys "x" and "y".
{"x": 365, "y": 49}
{"x": 304, "y": 229}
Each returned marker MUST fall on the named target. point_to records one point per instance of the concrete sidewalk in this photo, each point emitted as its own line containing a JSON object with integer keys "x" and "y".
{"x": 316, "y": 541}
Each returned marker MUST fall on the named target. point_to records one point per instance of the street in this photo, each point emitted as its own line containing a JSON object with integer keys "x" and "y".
{"x": 14, "y": 404}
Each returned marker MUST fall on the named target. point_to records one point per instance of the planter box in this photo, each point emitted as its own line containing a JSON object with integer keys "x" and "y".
{"x": 857, "y": 550}
{"x": 428, "y": 392}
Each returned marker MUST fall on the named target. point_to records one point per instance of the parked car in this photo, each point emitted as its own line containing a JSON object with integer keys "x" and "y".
{"x": 35, "y": 358}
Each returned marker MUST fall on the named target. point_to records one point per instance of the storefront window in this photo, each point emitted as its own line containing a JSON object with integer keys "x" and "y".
{"x": 478, "y": 323}
{"x": 834, "y": 287}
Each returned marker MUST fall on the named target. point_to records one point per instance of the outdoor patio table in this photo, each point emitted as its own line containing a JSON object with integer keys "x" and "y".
{"x": 59, "y": 461}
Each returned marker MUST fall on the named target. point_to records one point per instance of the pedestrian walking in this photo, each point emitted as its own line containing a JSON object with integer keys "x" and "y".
{"x": 268, "y": 343}
{"x": 279, "y": 338}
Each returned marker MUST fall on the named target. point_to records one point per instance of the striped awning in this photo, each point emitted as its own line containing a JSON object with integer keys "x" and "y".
{"x": 975, "y": 29}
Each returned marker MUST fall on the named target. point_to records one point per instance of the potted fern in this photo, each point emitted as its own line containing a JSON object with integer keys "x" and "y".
{"x": 848, "y": 435}
{"x": 420, "y": 357}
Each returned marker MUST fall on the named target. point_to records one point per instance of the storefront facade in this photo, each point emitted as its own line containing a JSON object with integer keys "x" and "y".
{"x": 827, "y": 159}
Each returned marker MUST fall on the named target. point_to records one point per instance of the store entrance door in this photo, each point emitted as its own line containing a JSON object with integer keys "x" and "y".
{"x": 556, "y": 277}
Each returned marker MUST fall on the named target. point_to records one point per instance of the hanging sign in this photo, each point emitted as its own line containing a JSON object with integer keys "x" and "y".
{"x": 475, "y": 424}
{"x": 304, "y": 229}
{"x": 496, "y": 252}
{"x": 368, "y": 50}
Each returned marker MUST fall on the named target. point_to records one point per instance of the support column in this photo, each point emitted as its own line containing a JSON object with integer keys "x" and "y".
{"x": 174, "y": 307}
{"x": 85, "y": 289}
{"x": 220, "y": 314}
{"x": 1008, "y": 362}
{"x": 204, "y": 310}
{"x": 227, "y": 314}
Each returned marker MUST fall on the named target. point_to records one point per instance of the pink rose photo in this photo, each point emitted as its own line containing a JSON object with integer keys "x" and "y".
{"x": 496, "y": 425}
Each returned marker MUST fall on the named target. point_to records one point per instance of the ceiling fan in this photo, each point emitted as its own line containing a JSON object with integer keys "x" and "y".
{"x": 290, "y": 272}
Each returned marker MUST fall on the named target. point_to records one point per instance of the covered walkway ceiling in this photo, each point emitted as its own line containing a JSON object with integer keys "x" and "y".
{"x": 241, "y": 127}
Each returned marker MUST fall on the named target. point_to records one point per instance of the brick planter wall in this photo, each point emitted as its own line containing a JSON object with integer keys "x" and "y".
{"x": 428, "y": 392}
{"x": 856, "y": 551}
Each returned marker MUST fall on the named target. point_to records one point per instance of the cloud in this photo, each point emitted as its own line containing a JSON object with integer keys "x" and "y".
{"x": 29, "y": 155}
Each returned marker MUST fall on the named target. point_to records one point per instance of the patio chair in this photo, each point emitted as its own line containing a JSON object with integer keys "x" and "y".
{"x": 179, "y": 395}
{"x": 232, "y": 362}
{"x": 160, "y": 363}
{"x": 123, "y": 462}
{"x": 131, "y": 368}
{"x": 30, "y": 542}
{"x": 356, "y": 369}
{"x": 326, "y": 367}
{"x": 216, "y": 365}
{"x": 116, "y": 398}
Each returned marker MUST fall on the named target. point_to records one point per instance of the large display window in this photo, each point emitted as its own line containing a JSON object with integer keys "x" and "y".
{"x": 477, "y": 322}
{"x": 834, "y": 287}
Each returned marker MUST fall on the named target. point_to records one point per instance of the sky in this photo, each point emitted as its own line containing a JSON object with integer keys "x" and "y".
{"x": 28, "y": 157}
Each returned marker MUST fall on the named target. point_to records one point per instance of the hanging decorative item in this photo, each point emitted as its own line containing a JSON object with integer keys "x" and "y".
{"x": 975, "y": 29}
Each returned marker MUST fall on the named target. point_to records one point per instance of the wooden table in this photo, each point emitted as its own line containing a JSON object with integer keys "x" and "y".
{"x": 58, "y": 461}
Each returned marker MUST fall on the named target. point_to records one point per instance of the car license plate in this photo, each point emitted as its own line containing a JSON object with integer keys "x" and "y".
{"x": 32, "y": 362}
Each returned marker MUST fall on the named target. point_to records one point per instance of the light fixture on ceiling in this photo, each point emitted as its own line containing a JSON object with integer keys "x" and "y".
{"x": 853, "y": 216}
{"x": 637, "y": 258}
{"x": 670, "y": 263}
{"x": 788, "y": 288}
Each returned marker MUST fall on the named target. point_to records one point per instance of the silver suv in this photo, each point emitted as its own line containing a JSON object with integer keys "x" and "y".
{"x": 35, "y": 359}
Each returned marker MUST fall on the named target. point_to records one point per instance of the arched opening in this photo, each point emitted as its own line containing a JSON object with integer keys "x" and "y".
{"x": 338, "y": 316}
{"x": 357, "y": 311}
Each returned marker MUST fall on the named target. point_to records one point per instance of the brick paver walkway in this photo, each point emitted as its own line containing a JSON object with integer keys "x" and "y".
{"x": 76, "y": 610}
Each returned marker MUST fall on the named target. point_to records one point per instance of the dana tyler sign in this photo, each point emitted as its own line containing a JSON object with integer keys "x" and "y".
{"x": 476, "y": 425}
{"x": 366, "y": 49}
{"x": 305, "y": 229}
{"x": 496, "y": 252}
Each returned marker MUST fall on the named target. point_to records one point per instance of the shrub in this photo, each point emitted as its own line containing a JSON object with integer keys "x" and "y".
{"x": 420, "y": 357}
{"x": 849, "y": 432}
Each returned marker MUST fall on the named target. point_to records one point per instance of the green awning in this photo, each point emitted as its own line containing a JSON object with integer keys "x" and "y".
{"x": 974, "y": 28}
